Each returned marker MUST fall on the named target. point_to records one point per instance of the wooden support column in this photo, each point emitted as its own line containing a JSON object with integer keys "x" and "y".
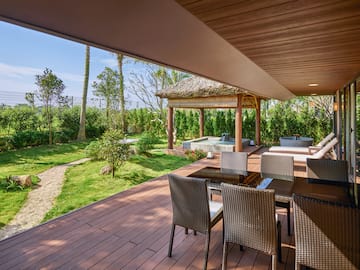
{"x": 258, "y": 121}
{"x": 201, "y": 122}
{"x": 170, "y": 128}
{"x": 238, "y": 125}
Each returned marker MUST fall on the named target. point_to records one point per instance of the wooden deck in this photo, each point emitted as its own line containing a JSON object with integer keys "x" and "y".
{"x": 131, "y": 230}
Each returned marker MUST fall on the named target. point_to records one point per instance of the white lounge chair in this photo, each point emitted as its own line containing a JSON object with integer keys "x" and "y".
{"x": 302, "y": 157}
{"x": 302, "y": 150}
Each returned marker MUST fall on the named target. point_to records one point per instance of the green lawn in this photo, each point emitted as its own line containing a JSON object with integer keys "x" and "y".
{"x": 84, "y": 185}
{"x": 31, "y": 161}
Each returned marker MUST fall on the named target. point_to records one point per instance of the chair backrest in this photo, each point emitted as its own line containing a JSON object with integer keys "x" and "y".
{"x": 234, "y": 162}
{"x": 190, "y": 202}
{"x": 277, "y": 166}
{"x": 327, "y": 169}
{"x": 249, "y": 217}
{"x": 323, "y": 142}
{"x": 325, "y": 149}
{"x": 327, "y": 235}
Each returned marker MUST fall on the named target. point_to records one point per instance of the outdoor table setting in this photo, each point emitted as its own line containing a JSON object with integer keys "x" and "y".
{"x": 334, "y": 191}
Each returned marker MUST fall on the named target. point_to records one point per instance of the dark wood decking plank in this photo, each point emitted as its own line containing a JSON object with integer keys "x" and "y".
{"x": 81, "y": 246}
{"x": 262, "y": 261}
{"x": 131, "y": 230}
{"x": 106, "y": 262}
{"x": 215, "y": 244}
{"x": 92, "y": 255}
{"x": 247, "y": 260}
{"x": 31, "y": 251}
{"x": 162, "y": 252}
{"x": 135, "y": 264}
{"x": 177, "y": 253}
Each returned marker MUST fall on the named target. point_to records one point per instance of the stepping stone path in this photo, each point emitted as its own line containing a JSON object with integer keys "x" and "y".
{"x": 40, "y": 200}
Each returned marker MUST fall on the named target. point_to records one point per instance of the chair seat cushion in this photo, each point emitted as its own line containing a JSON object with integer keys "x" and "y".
{"x": 216, "y": 209}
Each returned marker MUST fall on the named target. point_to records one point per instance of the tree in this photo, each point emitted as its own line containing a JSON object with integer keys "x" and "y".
{"x": 144, "y": 86}
{"x": 113, "y": 149}
{"x": 30, "y": 97}
{"x": 50, "y": 88}
{"x": 82, "y": 128}
{"x": 120, "y": 59}
{"x": 107, "y": 88}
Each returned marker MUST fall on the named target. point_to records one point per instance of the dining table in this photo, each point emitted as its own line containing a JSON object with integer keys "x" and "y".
{"x": 337, "y": 192}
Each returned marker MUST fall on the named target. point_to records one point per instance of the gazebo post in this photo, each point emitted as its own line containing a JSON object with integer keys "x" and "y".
{"x": 201, "y": 122}
{"x": 238, "y": 125}
{"x": 170, "y": 128}
{"x": 257, "y": 124}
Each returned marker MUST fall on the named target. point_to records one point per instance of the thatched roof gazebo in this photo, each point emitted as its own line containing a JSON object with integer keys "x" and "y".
{"x": 200, "y": 93}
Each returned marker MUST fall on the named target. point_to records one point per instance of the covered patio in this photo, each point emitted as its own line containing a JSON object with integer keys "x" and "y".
{"x": 273, "y": 49}
{"x": 131, "y": 230}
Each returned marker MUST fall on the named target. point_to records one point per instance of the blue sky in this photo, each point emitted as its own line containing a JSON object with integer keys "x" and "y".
{"x": 25, "y": 53}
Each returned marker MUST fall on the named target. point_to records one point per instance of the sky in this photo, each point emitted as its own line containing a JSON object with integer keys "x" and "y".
{"x": 25, "y": 53}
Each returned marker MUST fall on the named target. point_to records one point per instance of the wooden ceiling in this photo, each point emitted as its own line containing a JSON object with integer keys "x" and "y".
{"x": 267, "y": 47}
{"x": 296, "y": 42}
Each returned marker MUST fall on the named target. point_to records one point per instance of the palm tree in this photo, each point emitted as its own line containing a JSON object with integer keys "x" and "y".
{"x": 120, "y": 58}
{"x": 81, "y": 134}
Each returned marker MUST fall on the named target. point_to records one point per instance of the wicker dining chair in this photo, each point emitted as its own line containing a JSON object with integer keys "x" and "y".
{"x": 279, "y": 167}
{"x": 327, "y": 169}
{"x": 327, "y": 234}
{"x": 230, "y": 163}
{"x": 192, "y": 208}
{"x": 249, "y": 220}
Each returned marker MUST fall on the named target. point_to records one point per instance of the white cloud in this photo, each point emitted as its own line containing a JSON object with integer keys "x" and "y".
{"x": 20, "y": 72}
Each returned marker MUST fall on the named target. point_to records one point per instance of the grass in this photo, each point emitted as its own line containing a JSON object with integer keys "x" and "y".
{"x": 37, "y": 159}
{"x": 84, "y": 185}
{"x": 31, "y": 161}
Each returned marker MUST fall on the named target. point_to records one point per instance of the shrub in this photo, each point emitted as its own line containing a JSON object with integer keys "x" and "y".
{"x": 30, "y": 138}
{"x": 113, "y": 149}
{"x": 146, "y": 143}
{"x": 64, "y": 136}
{"x": 10, "y": 185}
{"x": 194, "y": 155}
{"x": 93, "y": 150}
{"x": 6, "y": 143}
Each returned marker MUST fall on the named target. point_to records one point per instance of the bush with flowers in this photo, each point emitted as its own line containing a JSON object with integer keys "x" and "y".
{"x": 194, "y": 155}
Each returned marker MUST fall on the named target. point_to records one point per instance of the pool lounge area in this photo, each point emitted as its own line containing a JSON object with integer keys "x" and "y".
{"x": 213, "y": 144}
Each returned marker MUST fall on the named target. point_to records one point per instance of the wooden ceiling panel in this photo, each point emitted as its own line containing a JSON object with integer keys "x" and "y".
{"x": 296, "y": 42}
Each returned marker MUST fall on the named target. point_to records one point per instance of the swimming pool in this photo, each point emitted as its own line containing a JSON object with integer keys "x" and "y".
{"x": 213, "y": 144}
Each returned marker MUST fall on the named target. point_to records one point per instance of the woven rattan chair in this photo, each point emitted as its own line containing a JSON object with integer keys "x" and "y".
{"x": 279, "y": 167}
{"x": 249, "y": 220}
{"x": 230, "y": 163}
{"x": 192, "y": 209}
{"x": 327, "y": 169}
{"x": 327, "y": 235}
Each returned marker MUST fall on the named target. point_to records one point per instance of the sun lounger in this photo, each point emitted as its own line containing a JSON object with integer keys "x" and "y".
{"x": 302, "y": 157}
{"x": 302, "y": 150}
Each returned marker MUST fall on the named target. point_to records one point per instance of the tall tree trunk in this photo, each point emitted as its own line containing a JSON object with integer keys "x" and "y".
{"x": 82, "y": 135}
{"x": 120, "y": 59}
{"x": 48, "y": 113}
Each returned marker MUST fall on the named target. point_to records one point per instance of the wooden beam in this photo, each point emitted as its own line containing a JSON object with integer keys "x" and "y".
{"x": 170, "y": 128}
{"x": 258, "y": 121}
{"x": 212, "y": 102}
{"x": 201, "y": 122}
{"x": 238, "y": 125}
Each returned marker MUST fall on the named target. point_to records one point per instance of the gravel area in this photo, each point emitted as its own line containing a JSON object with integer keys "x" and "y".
{"x": 40, "y": 200}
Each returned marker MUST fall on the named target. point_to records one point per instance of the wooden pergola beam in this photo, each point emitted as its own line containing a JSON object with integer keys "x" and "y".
{"x": 170, "y": 127}
{"x": 238, "y": 125}
{"x": 201, "y": 122}
{"x": 257, "y": 122}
